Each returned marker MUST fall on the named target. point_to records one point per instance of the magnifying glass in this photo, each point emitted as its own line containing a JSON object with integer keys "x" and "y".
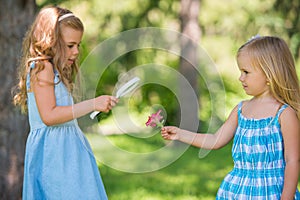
{"x": 123, "y": 90}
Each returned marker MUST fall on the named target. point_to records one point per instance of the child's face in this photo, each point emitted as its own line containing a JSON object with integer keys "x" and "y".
{"x": 253, "y": 79}
{"x": 72, "y": 39}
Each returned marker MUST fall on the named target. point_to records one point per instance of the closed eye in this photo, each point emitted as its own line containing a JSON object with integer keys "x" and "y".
{"x": 244, "y": 72}
{"x": 70, "y": 46}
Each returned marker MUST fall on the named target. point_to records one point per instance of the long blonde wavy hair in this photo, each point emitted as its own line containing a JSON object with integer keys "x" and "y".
{"x": 273, "y": 56}
{"x": 43, "y": 42}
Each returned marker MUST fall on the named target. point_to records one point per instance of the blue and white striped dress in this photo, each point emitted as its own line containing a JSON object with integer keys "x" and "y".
{"x": 258, "y": 157}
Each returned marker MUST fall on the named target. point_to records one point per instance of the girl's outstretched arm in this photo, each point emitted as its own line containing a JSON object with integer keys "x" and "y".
{"x": 52, "y": 114}
{"x": 205, "y": 141}
{"x": 291, "y": 136}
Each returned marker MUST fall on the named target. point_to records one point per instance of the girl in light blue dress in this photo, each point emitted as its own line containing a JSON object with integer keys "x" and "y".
{"x": 264, "y": 129}
{"x": 59, "y": 163}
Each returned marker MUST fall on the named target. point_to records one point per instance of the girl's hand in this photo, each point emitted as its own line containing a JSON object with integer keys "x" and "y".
{"x": 105, "y": 103}
{"x": 170, "y": 132}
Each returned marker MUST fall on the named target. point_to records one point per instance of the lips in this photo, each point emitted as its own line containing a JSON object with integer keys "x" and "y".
{"x": 71, "y": 61}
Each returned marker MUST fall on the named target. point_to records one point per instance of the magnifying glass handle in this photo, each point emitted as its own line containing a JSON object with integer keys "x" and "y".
{"x": 94, "y": 114}
{"x": 126, "y": 88}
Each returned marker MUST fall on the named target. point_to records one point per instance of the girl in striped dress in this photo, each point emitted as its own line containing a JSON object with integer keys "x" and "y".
{"x": 264, "y": 129}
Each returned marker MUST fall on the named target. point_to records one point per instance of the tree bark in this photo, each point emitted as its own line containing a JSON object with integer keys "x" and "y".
{"x": 15, "y": 17}
{"x": 189, "y": 62}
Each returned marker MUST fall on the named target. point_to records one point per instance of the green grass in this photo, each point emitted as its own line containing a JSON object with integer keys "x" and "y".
{"x": 188, "y": 178}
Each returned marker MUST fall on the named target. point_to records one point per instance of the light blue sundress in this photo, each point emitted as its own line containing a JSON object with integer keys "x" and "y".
{"x": 258, "y": 155}
{"x": 59, "y": 163}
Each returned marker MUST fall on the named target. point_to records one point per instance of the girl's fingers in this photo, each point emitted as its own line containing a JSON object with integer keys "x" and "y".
{"x": 164, "y": 136}
{"x": 113, "y": 101}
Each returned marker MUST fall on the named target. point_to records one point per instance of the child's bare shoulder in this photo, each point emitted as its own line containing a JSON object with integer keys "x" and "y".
{"x": 289, "y": 112}
{"x": 44, "y": 71}
{"x": 47, "y": 68}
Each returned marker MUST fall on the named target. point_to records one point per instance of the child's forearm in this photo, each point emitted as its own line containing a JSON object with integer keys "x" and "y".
{"x": 212, "y": 141}
{"x": 83, "y": 108}
{"x": 62, "y": 114}
{"x": 205, "y": 141}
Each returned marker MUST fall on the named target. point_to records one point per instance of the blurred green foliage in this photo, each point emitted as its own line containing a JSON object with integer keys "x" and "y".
{"x": 187, "y": 178}
{"x": 224, "y": 25}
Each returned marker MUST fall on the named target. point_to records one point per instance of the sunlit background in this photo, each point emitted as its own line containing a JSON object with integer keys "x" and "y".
{"x": 224, "y": 25}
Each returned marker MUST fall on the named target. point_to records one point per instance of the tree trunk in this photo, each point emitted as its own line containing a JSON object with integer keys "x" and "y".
{"x": 15, "y": 17}
{"x": 189, "y": 63}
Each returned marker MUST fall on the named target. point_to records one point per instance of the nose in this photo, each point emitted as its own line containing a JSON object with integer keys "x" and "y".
{"x": 241, "y": 78}
{"x": 75, "y": 50}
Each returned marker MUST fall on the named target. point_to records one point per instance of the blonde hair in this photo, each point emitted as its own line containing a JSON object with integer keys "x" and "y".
{"x": 272, "y": 55}
{"x": 44, "y": 42}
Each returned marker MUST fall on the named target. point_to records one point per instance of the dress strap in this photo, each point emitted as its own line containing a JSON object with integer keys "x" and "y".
{"x": 240, "y": 107}
{"x": 32, "y": 65}
{"x": 282, "y": 108}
